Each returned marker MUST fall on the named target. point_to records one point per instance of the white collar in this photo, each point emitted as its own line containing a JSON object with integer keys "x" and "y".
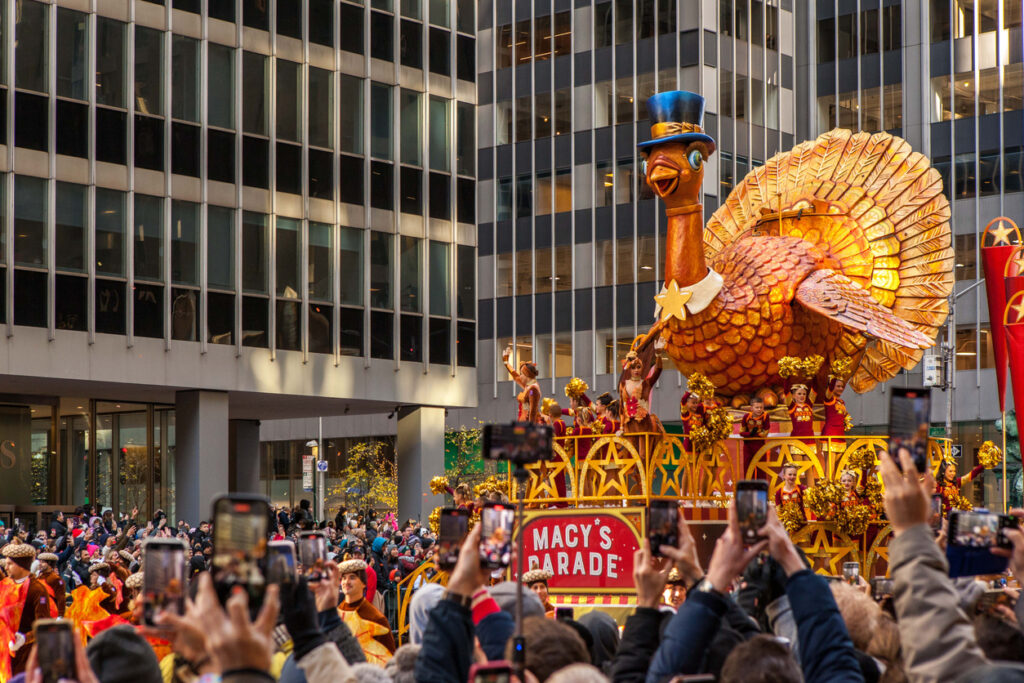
{"x": 701, "y": 293}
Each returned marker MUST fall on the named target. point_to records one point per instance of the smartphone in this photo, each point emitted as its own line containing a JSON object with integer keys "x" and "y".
{"x": 519, "y": 442}
{"x": 564, "y": 614}
{"x": 992, "y": 597}
{"x": 281, "y": 565}
{"x": 662, "y": 525}
{"x": 163, "y": 578}
{"x": 851, "y": 570}
{"x": 972, "y": 535}
{"x": 55, "y": 650}
{"x": 881, "y": 587}
{"x": 751, "y": 508}
{"x": 499, "y": 671}
{"x": 919, "y": 455}
{"x": 312, "y": 554}
{"x": 935, "y": 519}
{"x": 453, "y": 527}
{"x": 240, "y": 525}
{"x": 496, "y": 535}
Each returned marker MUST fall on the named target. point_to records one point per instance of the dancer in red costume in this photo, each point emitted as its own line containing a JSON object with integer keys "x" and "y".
{"x": 801, "y": 413}
{"x": 691, "y": 413}
{"x": 755, "y": 426}
{"x": 949, "y": 485}
{"x": 836, "y": 415}
{"x": 791, "y": 491}
{"x": 23, "y": 599}
{"x": 530, "y": 397}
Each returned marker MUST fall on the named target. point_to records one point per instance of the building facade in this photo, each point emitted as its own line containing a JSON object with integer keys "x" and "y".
{"x": 255, "y": 210}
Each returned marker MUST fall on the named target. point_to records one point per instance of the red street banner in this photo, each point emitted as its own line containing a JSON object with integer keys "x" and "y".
{"x": 998, "y": 243}
{"x": 587, "y": 551}
{"x": 1013, "y": 318}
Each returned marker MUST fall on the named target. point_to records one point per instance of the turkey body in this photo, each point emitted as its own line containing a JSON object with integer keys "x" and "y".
{"x": 738, "y": 340}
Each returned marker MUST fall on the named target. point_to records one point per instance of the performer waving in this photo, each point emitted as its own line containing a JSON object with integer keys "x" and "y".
{"x": 755, "y": 426}
{"x": 530, "y": 397}
{"x": 949, "y": 485}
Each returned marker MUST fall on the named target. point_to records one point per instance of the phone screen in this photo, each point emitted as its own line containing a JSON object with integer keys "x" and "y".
{"x": 55, "y": 650}
{"x": 454, "y": 524}
{"x": 935, "y": 519}
{"x": 492, "y": 672}
{"x": 163, "y": 579}
{"x": 751, "y": 508}
{"x": 972, "y": 535}
{"x": 312, "y": 554}
{"x": 662, "y": 525}
{"x": 496, "y": 535}
{"x": 240, "y": 547}
{"x": 564, "y": 614}
{"x": 281, "y": 566}
{"x": 851, "y": 571}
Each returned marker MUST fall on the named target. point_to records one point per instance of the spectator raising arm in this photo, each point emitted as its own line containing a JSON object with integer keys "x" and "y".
{"x": 1016, "y": 555}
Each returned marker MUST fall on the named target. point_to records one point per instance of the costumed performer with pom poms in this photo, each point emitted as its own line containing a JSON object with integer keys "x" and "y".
{"x": 755, "y": 425}
{"x": 949, "y": 485}
{"x": 530, "y": 397}
{"x": 837, "y": 417}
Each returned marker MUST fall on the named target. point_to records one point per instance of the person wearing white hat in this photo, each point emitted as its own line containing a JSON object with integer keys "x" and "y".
{"x": 370, "y": 627}
{"x": 47, "y": 573}
{"x": 537, "y": 581}
{"x": 26, "y": 601}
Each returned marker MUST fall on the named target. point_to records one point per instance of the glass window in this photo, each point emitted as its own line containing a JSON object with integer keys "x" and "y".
{"x": 545, "y": 188}
{"x": 892, "y": 31}
{"x": 321, "y": 22}
{"x": 439, "y": 12}
{"x": 350, "y": 100}
{"x": 289, "y": 19}
{"x": 440, "y": 278}
{"x": 440, "y": 146}
{"x": 624, "y": 181}
{"x": 382, "y": 41}
{"x": 289, "y": 102}
{"x": 72, "y": 51}
{"x": 411, "y": 279}
{"x": 524, "y": 272}
{"x": 522, "y": 41}
{"x": 465, "y": 139}
{"x": 380, "y": 120}
{"x": 542, "y": 275}
{"x": 524, "y": 196}
{"x": 184, "y": 243}
{"x": 411, "y": 338}
{"x": 466, "y": 294}
{"x": 524, "y": 118}
{"x": 220, "y": 247}
{"x": 185, "y": 78}
{"x": 542, "y": 115}
{"x": 32, "y": 31}
{"x": 382, "y": 185}
{"x": 289, "y": 257}
{"x": 149, "y": 237}
{"x": 30, "y": 200}
{"x": 503, "y": 46}
{"x": 989, "y": 89}
{"x": 465, "y": 16}
{"x": 70, "y": 221}
{"x": 412, "y": 9}
{"x": 221, "y": 99}
{"x": 645, "y": 18}
{"x": 623, "y": 21}
{"x": 110, "y": 62}
{"x": 255, "y": 252}
{"x": 503, "y": 200}
{"x": 110, "y": 219}
{"x": 411, "y": 44}
{"x": 563, "y": 190}
{"x": 350, "y": 20}
{"x": 149, "y": 53}
{"x": 602, "y": 24}
{"x": 603, "y": 104}
{"x": 411, "y": 190}
{"x": 1012, "y": 10}
{"x": 321, "y": 104}
{"x": 503, "y": 122}
{"x": 604, "y": 184}
{"x": 439, "y": 48}
{"x": 381, "y": 263}
{"x": 320, "y": 280}
{"x": 503, "y": 282}
{"x": 411, "y": 128}
{"x": 350, "y": 266}
{"x": 563, "y": 33}
{"x": 254, "y": 93}
{"x": 542, "y": 37}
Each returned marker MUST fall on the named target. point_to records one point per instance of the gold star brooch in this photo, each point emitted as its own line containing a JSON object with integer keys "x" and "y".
{"x": 673, "y": 301}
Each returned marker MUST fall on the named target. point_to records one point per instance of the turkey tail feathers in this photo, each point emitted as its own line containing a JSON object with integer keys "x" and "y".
{"x": 888, "y": 233}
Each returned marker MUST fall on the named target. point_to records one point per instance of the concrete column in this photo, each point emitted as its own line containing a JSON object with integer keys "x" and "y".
{"x": 201, "y": 457}
{"x": 420, "y": 456}
{"x": 244, "y": 455}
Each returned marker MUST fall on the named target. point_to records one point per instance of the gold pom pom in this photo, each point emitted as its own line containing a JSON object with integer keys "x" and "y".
{"x": 852, "y": 520}
{"x": 961, "y": 503}
{"x": 439, "y": 485}
{"x": 841, "y": 368}
{"x": 576, "y": 388}
{"x": 791, "y": 515}
{"x": 873, "y": 492}
{"x": 699, "y": 384}
{"x": 810, "y": 365}
{"x": 545, "y": 404}
{"x": 789, "y": 366}
{"x": 493, "y": 484}
{"x": 847, "y": 422}
{"x": 434, "y": 520}
{"x": 990, "y": 455}
{"x": 863, "y": 459}
{"x": 823, "y": 498}
{"x": 717, "y": 426}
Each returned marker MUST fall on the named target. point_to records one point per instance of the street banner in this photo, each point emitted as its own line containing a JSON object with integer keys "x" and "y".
{"x": 998, "y": 242}
{"x": 587, "y": 551}
{"x": 1013, "y": 319}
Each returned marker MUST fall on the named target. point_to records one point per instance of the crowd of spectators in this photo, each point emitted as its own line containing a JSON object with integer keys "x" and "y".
{"x": 754, "y": 613}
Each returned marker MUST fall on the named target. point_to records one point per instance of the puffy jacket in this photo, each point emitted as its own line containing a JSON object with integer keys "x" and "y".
{"x": 447, "y": 648}
{"x": 826, "y": 651}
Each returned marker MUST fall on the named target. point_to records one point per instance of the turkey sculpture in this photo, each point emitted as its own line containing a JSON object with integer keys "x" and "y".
{"x": 839, "y": 247}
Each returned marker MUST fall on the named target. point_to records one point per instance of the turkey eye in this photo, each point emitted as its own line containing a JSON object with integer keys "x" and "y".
{"x": 695, "y": 159}
{"x": 643, "y": 166}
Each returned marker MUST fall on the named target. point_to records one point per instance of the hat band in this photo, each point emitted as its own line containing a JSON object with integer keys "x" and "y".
{"x": 666, "y": 128}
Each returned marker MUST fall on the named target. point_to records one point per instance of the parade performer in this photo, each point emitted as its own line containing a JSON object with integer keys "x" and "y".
{"x": 605, "y": 422}
{"x": 791, "y": 492}
{"x": 368, "y": 625}
{"x": 552, "y": 415}
{"x": 851, "y": 495}
{"x": 102, "y": 579}
{"x": 949, "y": 486}
{"x": 23, "y": 599}
{"x": 640, "y": 374}
{"x": 584, "y": 417}
{"x": 530, "y": 397}
{"x": 837, "y": 417}
{"x": 537, "y": 581}
{"x": 47, "y": 573}
{"x": 755, "y": 426}
{"x": 691, "y": 413}
{"x": 801, "y": 413}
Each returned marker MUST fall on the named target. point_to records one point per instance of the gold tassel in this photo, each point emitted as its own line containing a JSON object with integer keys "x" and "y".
{"x": 439, "y": 485}
{"x": 990, "y": 455}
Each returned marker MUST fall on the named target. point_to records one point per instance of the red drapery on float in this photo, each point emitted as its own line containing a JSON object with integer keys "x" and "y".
{"x": 1013, "y": 319}
{"x": 999, "y": 241}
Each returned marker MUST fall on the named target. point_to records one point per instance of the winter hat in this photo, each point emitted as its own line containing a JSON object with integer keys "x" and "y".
{"x": 423, "y": 602}
{"x": 119, "y": 655}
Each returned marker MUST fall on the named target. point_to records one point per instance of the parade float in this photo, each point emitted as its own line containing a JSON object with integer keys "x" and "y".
{"x": 829, "y": 267}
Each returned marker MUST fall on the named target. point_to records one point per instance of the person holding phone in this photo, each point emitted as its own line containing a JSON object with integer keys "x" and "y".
{"x": 371, "y": 628}
{"x": 23, "y": 599}
{"x": 537, "y": 580}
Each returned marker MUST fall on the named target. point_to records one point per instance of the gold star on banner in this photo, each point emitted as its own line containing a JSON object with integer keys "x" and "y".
{"x": 1001, "y": 234}
{"x": 673, "y": 301}
{"x": 1019, "y": 309}
{"x": 1018, "y": 260}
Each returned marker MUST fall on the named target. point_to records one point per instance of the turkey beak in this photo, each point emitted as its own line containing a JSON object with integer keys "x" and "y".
{"x": 664, "y": 179}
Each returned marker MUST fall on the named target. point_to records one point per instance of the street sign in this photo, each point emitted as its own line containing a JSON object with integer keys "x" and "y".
{"x": 307, "y": 473}
{"x": 956, "y": 450}
{"x": 321, "y": 465}
{"x": 932, "y": 370}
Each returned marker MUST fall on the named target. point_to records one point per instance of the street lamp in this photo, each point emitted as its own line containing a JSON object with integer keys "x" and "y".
{"x": 318, "y": 486}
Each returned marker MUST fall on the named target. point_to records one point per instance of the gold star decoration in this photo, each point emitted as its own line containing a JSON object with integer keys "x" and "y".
{"x": 1018, "y": 261}
{"x": 1001, "y": 234}
{"x": 1018, "y": 308}
{"x": 673, "y": 301}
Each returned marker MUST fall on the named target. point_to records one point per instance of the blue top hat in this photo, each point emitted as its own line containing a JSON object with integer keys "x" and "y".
{"x": 676, "y": 116}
